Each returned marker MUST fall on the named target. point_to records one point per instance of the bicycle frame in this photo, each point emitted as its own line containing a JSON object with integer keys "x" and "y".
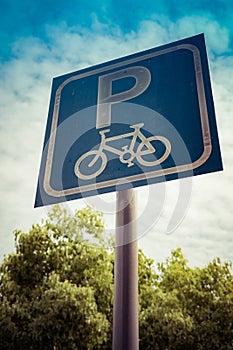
{"x": 134, "y": 134}
{"x": 126, "y": 153}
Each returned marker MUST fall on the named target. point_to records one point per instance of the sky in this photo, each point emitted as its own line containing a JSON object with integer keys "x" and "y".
{"x": 43, "y": 39}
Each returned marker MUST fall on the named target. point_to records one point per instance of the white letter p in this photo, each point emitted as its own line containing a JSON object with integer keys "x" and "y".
{"x": 106, "y": 98}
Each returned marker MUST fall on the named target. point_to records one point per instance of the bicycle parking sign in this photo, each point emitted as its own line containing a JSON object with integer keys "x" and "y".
{"x": 141, "y": 119}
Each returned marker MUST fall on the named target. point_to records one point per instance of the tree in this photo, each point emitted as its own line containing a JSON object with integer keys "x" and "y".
{"x": 56, "y": 292}
{"x": 189, "y": 308}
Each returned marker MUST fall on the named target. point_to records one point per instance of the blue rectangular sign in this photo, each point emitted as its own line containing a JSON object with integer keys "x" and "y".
{"x": 141, "y": 119}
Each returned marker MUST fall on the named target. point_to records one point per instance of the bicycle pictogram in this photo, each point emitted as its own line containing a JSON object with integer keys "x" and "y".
{"x": 126, "y": 154}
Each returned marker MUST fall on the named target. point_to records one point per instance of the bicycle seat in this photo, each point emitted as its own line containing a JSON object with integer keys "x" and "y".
{"x": 137, "y": 126}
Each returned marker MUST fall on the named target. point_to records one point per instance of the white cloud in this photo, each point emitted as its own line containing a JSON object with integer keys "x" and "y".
{"x": 216, "y": 35}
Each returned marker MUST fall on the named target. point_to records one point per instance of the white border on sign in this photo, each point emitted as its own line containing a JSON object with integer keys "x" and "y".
{"x": 161, "y": 172}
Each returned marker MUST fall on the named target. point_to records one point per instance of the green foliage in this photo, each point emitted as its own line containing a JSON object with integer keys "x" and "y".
{"x": 56, "y": 292}
{"x": 67, "y": 317}
{"x": 84, "y": 222}
{"x": 189, "y": 308}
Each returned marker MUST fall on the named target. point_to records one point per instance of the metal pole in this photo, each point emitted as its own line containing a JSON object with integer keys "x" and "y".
{"x": 125, "y": 308}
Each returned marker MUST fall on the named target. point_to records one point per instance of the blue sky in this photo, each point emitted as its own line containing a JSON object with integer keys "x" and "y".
{"x": 43, "y": 39}
{"x": 27, "y": 18}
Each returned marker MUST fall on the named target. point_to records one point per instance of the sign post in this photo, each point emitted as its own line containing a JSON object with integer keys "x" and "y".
{"x": 134, "y": 121}
{"x": 125, "y": 309}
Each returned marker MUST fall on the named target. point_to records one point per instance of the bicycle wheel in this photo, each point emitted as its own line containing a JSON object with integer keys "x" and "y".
{"x": 88, "y": 160}
{"x": 162, "y": 157}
